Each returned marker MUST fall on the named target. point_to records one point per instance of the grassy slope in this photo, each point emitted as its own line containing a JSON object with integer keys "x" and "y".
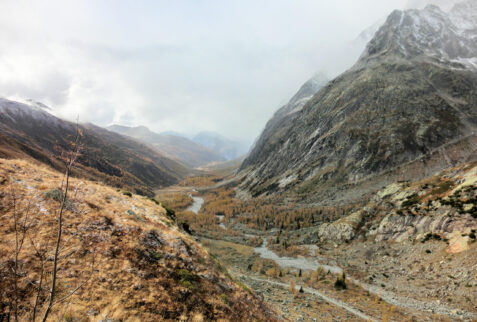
{"x": 144, "y": 268}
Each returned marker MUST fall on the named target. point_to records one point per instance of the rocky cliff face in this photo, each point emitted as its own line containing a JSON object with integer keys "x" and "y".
{"x": 282, "y": 119}
{"x": 411, "y": 93}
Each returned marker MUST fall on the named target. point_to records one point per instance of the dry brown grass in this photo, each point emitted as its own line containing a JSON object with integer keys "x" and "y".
{"x": 144, "y": 268}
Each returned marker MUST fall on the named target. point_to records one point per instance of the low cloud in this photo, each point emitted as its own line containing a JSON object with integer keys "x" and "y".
{"x": 186, "y": 66}
{"x": 443, "y": 4}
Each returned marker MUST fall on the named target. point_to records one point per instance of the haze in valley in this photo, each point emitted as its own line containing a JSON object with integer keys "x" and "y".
{"x": 186, "y": 66}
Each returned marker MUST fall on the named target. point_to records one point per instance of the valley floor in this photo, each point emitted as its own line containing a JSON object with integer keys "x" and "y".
{"x": 409, "y": 280}
{"x": 320, "y": 301}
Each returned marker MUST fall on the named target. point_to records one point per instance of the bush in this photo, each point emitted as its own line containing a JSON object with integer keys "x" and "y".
{"x": 410, "y": 201}
{"x": 186, "y": 278}
{"x": 340, "y": 283}
{"x": 57, "y": 195}
{"x": 292, "y": 287}
{"x": 127, "y": 193}
{"x": 185, "y": 227}
{"x": 224, "y": 298}
{"x": 430, "y": 236}
{"x": 472, "y": 235}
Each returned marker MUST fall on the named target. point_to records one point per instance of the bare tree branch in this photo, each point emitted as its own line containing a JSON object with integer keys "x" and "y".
{"x": 71, "y": 158}
{"x": 15, "y": 265}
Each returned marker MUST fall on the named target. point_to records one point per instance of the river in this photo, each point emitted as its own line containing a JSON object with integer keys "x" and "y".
{"x": 298, "y": 263}
{"x": 265, "y": 252}
{"x": 196, "y": 205}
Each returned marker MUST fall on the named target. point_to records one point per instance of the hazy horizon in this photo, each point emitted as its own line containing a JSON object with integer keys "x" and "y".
{"x": 186, "y": 66}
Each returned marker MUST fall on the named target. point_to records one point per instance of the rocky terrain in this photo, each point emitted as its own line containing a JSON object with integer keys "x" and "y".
{"x": 410, "y": 95}
{"x": 411, "y": 244}
{"x": 357, "y": 202}
{"x": 411, "y": 233}
{"x": 122, "y": 257}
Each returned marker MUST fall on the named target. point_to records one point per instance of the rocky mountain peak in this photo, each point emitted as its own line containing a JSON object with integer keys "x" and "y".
{"x": 431, "y": 32}
{"x": 464, "y": 15}
{"x": 411, "y": 93}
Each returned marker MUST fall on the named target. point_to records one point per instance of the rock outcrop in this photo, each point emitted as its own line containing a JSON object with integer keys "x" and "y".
{"x": 342, "y": 230}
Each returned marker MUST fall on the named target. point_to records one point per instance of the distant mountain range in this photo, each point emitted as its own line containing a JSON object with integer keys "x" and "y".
{"x": 29, "y": 131}
{"x": 227, "y": 148}
{"x": 407, "y": 108}
{"x": 173, "y": 146}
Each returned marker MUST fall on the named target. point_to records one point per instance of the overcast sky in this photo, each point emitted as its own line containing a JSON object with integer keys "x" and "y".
{"x": 186, "y": 66}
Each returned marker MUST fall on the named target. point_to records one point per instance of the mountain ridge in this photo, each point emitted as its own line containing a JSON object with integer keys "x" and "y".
{"x": 176, "y": 147}
{"x": 398, "y": 102}
{"x": 34, "y": 133}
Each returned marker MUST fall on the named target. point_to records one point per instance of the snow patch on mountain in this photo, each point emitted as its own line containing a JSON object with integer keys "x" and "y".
{"x": 447, "y": 37}
{"x": 36, "y": 110}
{"x": 464, "y": 15}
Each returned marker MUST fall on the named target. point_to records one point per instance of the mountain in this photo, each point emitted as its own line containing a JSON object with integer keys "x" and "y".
{"x": 122, "y": 257}
{"x": 183, "y": 135}
{"x": 228, "y": 149}
{"x": 223, "y": 168}
{"x": 29, "y": 131}
{"x": 367, "y": 34}
{"x": 407, "y": 108}
{"x": 172, "y": 146}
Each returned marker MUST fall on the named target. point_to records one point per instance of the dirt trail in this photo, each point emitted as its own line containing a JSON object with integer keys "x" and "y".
{"x": 391, "y": 298}
{"x": 410, "y": 303}
{"x": 326, "y": 298}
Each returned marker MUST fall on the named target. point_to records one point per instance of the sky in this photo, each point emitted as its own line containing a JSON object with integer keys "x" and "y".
{"x": 184, "y": 65}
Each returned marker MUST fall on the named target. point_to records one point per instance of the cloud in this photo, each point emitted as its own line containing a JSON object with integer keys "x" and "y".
{"x": 186, "y": 66}
{"x": 443, "y": 4}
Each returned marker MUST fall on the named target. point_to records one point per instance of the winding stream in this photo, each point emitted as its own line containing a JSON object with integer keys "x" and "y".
{"x": 310, "y": 264}
{"x": 196, "y": 205}
{"x": 265, "y": 252}
{"x": 406, "y": 302}
{"x": 299, "y": 263}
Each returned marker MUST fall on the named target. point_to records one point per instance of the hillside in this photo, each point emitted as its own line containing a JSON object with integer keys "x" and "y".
{"x": 175, "y": 147}
{"x": 31, "y": 132}
{"x": 408, "y": 107}
{"x": 122, "y": 257}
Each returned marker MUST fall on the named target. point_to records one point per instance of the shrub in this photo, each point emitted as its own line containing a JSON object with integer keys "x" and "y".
{"x": 430, "y": 236}
{"x": 127, "y": 193}
{"x": 186, "y": 278}
{"x": 292, "y": 287}
{"x": 340, "y": 283}
{"x": 224, "y": 298}
{"x": 57, "y": 195}
{"x": 185, "y": 227}
{"x": 410, "y": 201}
{"x": 472, "y": 235}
